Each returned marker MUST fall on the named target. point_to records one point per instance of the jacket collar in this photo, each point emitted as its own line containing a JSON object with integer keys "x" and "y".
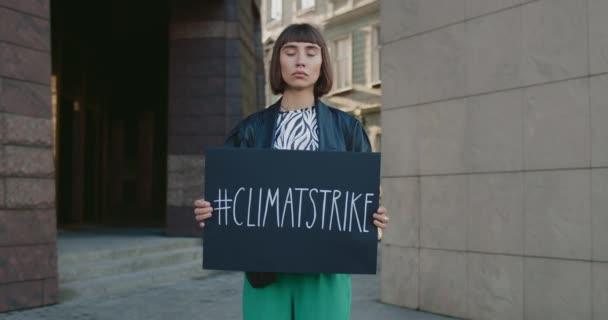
{"x": 324, "y": 124}
{"x": 269, "y": 122}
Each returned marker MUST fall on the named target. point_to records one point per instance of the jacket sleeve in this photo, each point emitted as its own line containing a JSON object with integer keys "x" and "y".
{"x": 240, "y": 136}
{"x": 235, "y": 137}
{"x": 359, "y": 139}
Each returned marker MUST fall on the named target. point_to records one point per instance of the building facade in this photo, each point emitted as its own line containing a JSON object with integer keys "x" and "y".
{"x": 105, "y": 114}
{"x": 351, "y": 29}
{"x": 494, "y": 157}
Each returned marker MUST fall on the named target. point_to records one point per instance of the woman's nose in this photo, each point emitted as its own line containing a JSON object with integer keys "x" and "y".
{"x": 300, "y": 61}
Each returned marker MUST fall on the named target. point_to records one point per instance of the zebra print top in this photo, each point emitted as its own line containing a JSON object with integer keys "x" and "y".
{"x": 297, "y": 130}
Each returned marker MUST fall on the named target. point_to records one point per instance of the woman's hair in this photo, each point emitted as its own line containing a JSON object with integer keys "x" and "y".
{"x": 302, "y": 32}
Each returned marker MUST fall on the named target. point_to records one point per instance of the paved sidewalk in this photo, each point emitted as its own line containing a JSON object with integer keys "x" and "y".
{"x": 217, "y": 297}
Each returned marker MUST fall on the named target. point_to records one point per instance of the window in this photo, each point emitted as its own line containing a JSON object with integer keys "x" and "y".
{"x": 276, "y": 10}
{"x": 375, "y": 54}
{"x": 342, "y": 58}
{"x": 307, "y": 4}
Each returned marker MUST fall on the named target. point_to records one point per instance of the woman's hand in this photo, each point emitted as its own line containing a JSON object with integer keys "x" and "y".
{"x": 380, "y": 218}
{"x": 202, "y": 211}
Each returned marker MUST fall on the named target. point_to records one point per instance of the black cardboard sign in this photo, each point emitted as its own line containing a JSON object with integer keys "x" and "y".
{"x": 291, "y": 211}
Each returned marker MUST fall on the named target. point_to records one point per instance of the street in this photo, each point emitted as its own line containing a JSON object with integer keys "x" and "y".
{"x": 216, "y": 297}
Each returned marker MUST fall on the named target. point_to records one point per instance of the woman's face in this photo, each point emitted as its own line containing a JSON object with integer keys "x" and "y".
{"x": 300, "y": 64}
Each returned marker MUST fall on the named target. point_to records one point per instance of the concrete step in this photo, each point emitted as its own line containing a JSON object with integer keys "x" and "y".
{"x": 92, "y": 265}
{"x": 71, "y": 259}
{"x": 133, "y": 263}
{"x": 140, "y": 279}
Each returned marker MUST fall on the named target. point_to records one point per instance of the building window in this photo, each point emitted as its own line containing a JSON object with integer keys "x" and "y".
{"x": 276, "y": 10}
{"x": 342, "y": 58}
{"x": 306, "y": 4}
{"x": 375, "y": 55}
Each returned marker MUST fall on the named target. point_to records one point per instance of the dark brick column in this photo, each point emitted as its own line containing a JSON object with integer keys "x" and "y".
{"x": 211, "y": 66}
{"x": 28, "y": 254}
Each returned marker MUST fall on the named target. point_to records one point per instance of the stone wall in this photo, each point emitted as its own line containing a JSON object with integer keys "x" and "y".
{"x": 495, "y": 157}
{"x": 212, "y": 85}
{"x": 28, "y": 254}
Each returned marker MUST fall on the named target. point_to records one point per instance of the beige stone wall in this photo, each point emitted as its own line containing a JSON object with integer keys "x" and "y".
{"x": 495, "y": 157}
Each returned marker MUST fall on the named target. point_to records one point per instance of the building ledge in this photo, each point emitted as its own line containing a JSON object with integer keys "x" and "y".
{"x": 340, "y": 91}
{"x": 349, "y": 13}
{"x": 302, "y": 12}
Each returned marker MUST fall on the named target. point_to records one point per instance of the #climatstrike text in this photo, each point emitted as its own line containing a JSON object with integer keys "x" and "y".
{"x": 332, "y": 210}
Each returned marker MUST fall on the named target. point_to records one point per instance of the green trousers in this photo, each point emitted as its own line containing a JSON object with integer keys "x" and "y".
{"x": 311, "y": 296}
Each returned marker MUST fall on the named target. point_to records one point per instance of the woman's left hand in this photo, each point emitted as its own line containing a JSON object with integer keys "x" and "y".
{"x": 380, "y": 218}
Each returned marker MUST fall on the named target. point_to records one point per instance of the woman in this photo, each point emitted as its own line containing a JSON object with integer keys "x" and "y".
{"x": 300, "y": 70}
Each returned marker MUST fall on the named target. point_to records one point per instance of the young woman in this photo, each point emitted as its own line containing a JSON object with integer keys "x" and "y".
{"x": 301, "y": 71}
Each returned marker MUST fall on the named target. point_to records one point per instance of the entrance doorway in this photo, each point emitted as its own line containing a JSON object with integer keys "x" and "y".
{"x": 110, "y": 87}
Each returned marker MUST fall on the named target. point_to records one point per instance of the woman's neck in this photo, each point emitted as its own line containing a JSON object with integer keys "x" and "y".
{"x": 294, "y": 100}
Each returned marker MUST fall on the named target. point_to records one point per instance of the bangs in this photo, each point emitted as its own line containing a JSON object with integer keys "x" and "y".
{"x": 306, "y": 33}
{"x": 299, "y": 33}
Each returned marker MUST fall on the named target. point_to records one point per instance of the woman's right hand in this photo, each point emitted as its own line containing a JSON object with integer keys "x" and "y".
{"x": 202, "y": 211}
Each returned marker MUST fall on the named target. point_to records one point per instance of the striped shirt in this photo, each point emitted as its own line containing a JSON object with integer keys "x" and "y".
{"x": 297, "y": 130}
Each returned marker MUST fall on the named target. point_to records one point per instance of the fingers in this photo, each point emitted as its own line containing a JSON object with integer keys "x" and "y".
{"x": 206, "y": 210}
{"x": 379, "y": 224}
{"x": 380, "y": 219}
{"x": 381, "y": 210}
{"x": 202, "y": 217}
{"x": 201, "y": 203}
{"x": 202, "y": 214}
{"x": 202, "y": 211}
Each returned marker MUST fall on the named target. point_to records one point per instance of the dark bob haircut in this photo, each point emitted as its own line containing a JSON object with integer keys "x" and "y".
{"x": 302, "y": 32}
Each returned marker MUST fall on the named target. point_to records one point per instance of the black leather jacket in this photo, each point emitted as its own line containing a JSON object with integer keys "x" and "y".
{"x": 338, "y": 131}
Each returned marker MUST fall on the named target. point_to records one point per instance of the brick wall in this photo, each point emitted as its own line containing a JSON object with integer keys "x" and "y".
{"x": 28, "y": 254}
{"x": 211, "y": 86}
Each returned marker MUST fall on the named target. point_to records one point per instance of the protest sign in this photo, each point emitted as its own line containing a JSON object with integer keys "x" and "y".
{"x": 291, "y": 211}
